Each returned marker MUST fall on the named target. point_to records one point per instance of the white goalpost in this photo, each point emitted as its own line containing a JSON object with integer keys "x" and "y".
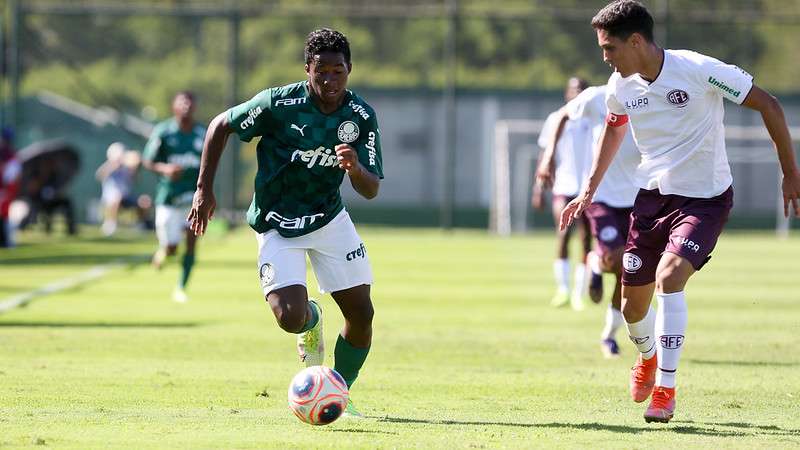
{"x": 515, "y": 153}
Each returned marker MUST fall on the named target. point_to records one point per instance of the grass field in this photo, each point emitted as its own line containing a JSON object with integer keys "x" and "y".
{"x": 466, "y": 352}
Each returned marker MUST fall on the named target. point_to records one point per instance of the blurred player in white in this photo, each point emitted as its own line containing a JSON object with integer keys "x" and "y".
{"x": 562, "y": 168}
{"x": 673, "y": 100}
{"x": 609, "y": 213}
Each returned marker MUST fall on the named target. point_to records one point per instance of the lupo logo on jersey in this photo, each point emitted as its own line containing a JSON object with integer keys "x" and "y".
{"x": 348, "y": 132}
{"x": 638, "y": 103}
{"x": 678, "y": 97}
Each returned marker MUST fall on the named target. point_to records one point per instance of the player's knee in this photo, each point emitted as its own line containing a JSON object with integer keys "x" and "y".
{"x": 670, "y": 279}
{"x": 290, "y": 321}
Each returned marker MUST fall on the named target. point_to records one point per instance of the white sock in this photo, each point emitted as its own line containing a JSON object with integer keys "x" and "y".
{"x": 614, "y": 320}
{"x": 561, "y": 272}
{"x": 642, "y": 333}
{"x": 593, "y": 259}
{"x": 671, "y": 321}
{"x": 581, "y": 286}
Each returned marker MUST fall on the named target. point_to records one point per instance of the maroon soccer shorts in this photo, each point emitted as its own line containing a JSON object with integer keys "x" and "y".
{"x": 686, "y": 226}
{"x": 609, "y": 226}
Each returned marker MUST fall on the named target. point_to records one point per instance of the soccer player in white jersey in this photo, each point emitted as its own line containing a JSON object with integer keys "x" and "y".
{"x": 562, "y": 168}
{"x": 609, "y": 213}
{"x": 673, "y": 100}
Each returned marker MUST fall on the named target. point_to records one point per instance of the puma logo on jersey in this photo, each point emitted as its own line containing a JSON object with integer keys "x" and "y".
{"x": 299, "y": 129}
{"x": 323, "y": 157}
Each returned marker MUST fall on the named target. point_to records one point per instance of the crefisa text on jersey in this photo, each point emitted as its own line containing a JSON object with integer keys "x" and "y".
{"x": 371, "y": 147}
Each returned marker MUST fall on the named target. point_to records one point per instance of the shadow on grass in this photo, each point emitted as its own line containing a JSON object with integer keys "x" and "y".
{"x": 23, "y": 324}
{"x": 744, "y": 363}
{"x": 697, "y": 429}
{"x": 356, "y": 430}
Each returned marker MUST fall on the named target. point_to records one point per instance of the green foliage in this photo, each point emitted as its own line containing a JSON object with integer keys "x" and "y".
{"x": 131, "y": 62}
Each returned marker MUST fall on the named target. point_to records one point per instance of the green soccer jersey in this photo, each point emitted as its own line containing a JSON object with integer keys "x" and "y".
{"x": 298, "y": 178}
{"x": 168, "y": 144}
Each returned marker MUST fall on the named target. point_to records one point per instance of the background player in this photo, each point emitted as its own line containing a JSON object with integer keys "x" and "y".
{"x": 609, "y": 213}
{"x": 673, "y": 99}
{"x": 173, "y": 152}
{"x": 562, "y": 167}
{"x": 312, "y": 133}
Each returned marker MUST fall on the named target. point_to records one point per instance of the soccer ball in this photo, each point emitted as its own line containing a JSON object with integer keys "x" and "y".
{"x": 318, "y": 395}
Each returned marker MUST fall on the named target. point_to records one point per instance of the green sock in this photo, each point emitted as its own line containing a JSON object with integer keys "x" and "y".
{"x": 348, "y": 360}
{"x": 188, "y": 262}
{"x": 312, "y": 322}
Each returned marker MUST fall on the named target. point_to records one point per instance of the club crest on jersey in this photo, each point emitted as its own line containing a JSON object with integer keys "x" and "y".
{"x": 631, "y": 263}
{"x": 266, "y": 274}
{"x": 348, "y": 132}
{"x": 678, "y": 97}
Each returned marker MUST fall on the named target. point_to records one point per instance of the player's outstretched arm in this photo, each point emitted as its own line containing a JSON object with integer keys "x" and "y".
{"x": 204, "y": 202}
{"x": 545, "y": 172}
{"x": 609, "y": 143}
{"x": 772, "y": 114}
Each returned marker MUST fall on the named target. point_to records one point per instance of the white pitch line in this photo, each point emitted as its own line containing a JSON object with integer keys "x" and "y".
{"x": 66, "y": 283}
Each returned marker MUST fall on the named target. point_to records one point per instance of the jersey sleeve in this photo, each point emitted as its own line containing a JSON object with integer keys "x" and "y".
{"x": 152, "y": 149}
{"x": 547, "y": 131}
{"x": 724, "y": 79}
{"x": 584, "y": 105}
{"x": 612, "y": 103}
{"x": 251, "y": 118}
{"x": 368, "y": 146}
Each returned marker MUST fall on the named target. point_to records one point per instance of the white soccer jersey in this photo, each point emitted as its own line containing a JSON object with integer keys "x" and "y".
{"x": 677, "y": 122}
{"x": 618, "y": 188}
{"x": 573, "y": 158}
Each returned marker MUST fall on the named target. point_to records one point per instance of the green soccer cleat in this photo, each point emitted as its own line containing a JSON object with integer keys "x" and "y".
{"x": 310, "y": 344}
{"x": 351, "y": 411}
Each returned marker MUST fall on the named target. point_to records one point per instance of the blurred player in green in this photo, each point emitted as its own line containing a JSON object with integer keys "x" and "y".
{"x": 173, "y": 152}
{"x": 312, "y": 132}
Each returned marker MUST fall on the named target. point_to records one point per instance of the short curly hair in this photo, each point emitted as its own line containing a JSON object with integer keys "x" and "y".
{"x": 326, "y": 40}
{"x": 622, "y": 18}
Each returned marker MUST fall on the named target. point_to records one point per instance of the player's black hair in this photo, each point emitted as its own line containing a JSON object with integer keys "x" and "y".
{"x": 186, "y": 93}
{"x": 622, "y": 18}
{"x": 582, "y": 83}
{"x": 326, "y": 40}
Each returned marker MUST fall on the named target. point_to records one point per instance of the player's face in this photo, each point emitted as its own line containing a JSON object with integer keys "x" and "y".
{"x": 617, "y": 53}
{"x": 327, "y": 76}
{"x": 183, "y": 107}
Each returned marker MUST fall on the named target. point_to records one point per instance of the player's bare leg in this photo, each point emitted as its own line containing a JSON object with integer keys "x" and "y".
{"x": 561, "y": 267}
{"x": 355, "y": 339}
{"x": 161, "y": 255}
{"x": 297, "y": 314}
{"x": 179, "y": 294}
{"x": 580, "y": 281}
{"x": 611, "y": 262}
{"x": 671, "y": 276}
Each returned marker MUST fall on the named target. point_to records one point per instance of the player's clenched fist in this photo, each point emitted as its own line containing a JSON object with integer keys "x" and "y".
{"x": 347, "y": 156}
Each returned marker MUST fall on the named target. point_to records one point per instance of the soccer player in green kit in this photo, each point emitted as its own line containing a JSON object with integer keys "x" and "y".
{"x": 173, "y": 152}
{"x": 312, "y": 132}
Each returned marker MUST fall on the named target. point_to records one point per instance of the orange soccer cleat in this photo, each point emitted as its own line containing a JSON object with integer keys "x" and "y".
{"x": 661, "y": 406}
{"x": 643, "y": 378}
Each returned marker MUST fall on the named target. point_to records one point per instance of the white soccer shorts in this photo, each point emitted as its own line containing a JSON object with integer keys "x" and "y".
{"x": 337, "y": 255}
{"x": 170, "y": 224}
